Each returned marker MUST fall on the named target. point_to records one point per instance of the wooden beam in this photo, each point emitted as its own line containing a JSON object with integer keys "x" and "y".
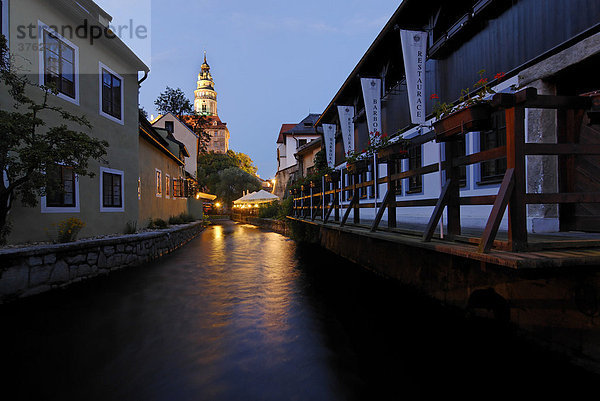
{"x": 515, "y": 159}
{"x": 561, "y": 149}
{"x": 331, "y": 207}
{"x": 570, "y": 197}
{"x": 485, "y": 155}
{"x": 384, "y": 204}
{"x": 347, "y": 212}
{"x": 437, "y": 212}
{"x": 493, "y": 223}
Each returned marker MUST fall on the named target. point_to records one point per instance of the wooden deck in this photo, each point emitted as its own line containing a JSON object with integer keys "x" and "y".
{"x": 556, "y": 250}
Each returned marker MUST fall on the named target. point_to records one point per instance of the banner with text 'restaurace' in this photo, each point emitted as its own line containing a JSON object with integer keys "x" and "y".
{"x": 346, "y": 114}
{"x": 414, "y": 48}
{"x": 371, "y": 88}
{"x": 329, "y": 137}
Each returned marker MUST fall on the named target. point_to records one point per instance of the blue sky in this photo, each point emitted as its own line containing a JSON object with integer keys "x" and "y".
{"x": 273, "y": 61}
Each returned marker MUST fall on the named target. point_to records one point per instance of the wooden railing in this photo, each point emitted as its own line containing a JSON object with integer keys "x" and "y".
{"x": 321, "y": 201}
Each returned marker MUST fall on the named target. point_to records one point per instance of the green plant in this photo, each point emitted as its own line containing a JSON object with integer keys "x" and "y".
{"x": 68, "y": 229}
{"x": 468, "y": 96}
{"x": 158, "y": 223}
{"x": 176, "y": 220}
{"x": 268, "y": 210}
{"x": 131, "y": 227}
{"x": 376, "y": 141}
{"x": 186, "y": 217}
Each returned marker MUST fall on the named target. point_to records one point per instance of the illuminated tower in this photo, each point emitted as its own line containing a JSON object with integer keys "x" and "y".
{"x": 205, "y": 101}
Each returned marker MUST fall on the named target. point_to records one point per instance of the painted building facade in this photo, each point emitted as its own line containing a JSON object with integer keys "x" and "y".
{"x": 98, "y": 80}
{"x": 184, "y": 134}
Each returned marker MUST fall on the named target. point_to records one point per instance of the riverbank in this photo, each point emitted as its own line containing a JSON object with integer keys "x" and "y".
{"x": 278, "y": 226}
{"x": 32, "y": 270}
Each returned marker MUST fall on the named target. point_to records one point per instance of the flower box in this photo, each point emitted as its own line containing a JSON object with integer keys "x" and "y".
{"x": 332, "y": 177}
{"x": 359, "y": 166}
{"x": 395, "y": 151}
{"x": 472, "y": 118}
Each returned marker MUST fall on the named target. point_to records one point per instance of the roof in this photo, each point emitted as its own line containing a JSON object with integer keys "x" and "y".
{"x": 160, "y": 117}
{"x": 209, "y": 122}
{"x": 159, "y": 138}
{"x": 309, "y": 146}
{"x": 284, "y": 130}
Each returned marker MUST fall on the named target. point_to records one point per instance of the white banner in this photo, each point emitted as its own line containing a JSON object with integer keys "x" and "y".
{"x": 371, "y": 88}
{"x": 329, "y": 138}
{"x": 346, "y": 114}
{"x": 414, "y": 48}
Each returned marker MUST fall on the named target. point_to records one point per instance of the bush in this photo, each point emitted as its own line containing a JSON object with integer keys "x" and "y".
{"x": 67, "y": 230}
{"x": 187, "y": 217}
{"x": 268, "y": 210}
{"x": 158, "y": 223}
{"x": 175, "y": 220}
{"x": 131, "y": 227}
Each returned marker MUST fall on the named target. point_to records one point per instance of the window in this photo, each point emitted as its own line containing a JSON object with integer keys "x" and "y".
{"x": 415, "y": 183}
{"x": 170, "y": 126}
{"x": 492, "y": 171}
{"x": 396, "y": 167}
{"x": 59, "y": 64}
{"x": 158, "y": 182}
{"x": 178, "y": 188}
{"x": 111, "y": 190}
{"x": 167, "y": 186}
{"x": 111, "y": 94}
{"x": 61, "y": 192}
{"x": 301, "y": 142}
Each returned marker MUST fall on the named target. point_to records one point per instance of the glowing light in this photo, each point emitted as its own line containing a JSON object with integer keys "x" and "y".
{"x": 217, "y": 204}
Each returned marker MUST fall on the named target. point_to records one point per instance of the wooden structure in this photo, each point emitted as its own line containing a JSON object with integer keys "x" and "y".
{"x": 512, "y": 194}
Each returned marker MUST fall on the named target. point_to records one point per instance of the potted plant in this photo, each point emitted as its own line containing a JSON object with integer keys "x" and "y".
{"x": 471, "y": 114}
{"x": 394, "y": 151}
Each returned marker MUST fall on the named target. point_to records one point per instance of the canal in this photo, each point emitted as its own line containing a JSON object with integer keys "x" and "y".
{"x": 245, "y": 314}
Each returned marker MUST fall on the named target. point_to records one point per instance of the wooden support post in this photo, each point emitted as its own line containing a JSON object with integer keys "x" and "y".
{"x": 379, "y": 216}
{"x": 355, "y": 195}
{"x": 391, "y": 169}
{"x": 453, "y": 195}
{"x": 331, "y": 208}
{"x": 515, "y": 159}
{"x": 491, "y": 227}
{"x": 312, "y": 214}
{"x": 350, "y": 206}
{"x": 437, "y": 212}
{"x": 337, "y": 197}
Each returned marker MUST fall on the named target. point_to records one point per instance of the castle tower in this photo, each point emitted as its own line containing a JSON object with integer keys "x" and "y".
{"x": 205, "y": 101}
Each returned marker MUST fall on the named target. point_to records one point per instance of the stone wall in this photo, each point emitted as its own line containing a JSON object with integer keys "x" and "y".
{"x": 37, "y": 269}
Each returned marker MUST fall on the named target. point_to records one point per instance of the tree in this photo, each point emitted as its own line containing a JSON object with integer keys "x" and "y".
{"x": 28, "y": 147}
{"x": 175, "y": 102}
{"x": 233, "y": 181}
{"x": 210, "y": 164}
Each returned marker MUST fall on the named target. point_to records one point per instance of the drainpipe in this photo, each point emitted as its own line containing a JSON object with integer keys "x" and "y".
{"x": 143, "y": 78}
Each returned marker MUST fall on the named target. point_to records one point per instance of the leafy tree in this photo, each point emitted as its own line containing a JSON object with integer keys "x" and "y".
{"x": 28, "y": 146}
{"x": 210, "y": 164}
{"x": 175, "y": 101}
{"x": 233, "y": 181}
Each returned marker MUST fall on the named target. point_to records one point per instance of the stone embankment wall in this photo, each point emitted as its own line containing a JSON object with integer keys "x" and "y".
{"x": 277, "y": 226}
{"x": 37, "y": 269}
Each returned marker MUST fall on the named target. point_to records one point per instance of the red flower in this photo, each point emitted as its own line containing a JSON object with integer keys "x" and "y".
{"x": 434, "y": 96}
{"x": 482, "y": 81}
{"x": 499, "y": 75}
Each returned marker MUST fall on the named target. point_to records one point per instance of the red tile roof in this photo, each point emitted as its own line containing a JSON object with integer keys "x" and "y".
{"x": 283, "y": 130}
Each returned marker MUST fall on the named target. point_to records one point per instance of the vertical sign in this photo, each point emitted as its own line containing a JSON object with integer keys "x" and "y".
{"x": 329, "y": 137}
{"x": 414, "y": 48}
{"x": 371, "y": 88}
{"x": 346, "y": 114}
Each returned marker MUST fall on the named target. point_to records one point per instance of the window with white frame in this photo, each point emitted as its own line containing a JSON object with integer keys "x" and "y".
{"x": 59, "y": 64}
{"x": 158, "y": 183}
{"x": 62, "y": 193}
{"x": 112, "y": 191}
{"x": 167, "y": 186}
{"x": 111, "y": 94}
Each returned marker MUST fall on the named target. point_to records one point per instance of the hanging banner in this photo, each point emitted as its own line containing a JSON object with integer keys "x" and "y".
{"x": 329, "y": 138}
{"x": 414, "y": 48}
{"x": 346, "y": 114}
{"x": 371, "y": 88}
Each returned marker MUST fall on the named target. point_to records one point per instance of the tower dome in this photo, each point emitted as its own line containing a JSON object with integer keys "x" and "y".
{"x": 205, "y": 101}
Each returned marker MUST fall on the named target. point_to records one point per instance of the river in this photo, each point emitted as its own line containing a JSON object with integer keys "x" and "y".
{"x": 245, "y": 314}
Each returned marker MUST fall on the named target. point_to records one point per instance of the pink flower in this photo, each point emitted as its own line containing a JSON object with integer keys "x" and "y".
{"x": 499, "y": 75}
{"x": 434, "y": 96}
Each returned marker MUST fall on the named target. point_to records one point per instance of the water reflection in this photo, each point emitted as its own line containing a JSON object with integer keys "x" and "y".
{"x": 245, "y": 314}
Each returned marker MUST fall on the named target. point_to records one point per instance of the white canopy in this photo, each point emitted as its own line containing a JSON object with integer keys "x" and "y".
{"x": 261, "y": 196}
